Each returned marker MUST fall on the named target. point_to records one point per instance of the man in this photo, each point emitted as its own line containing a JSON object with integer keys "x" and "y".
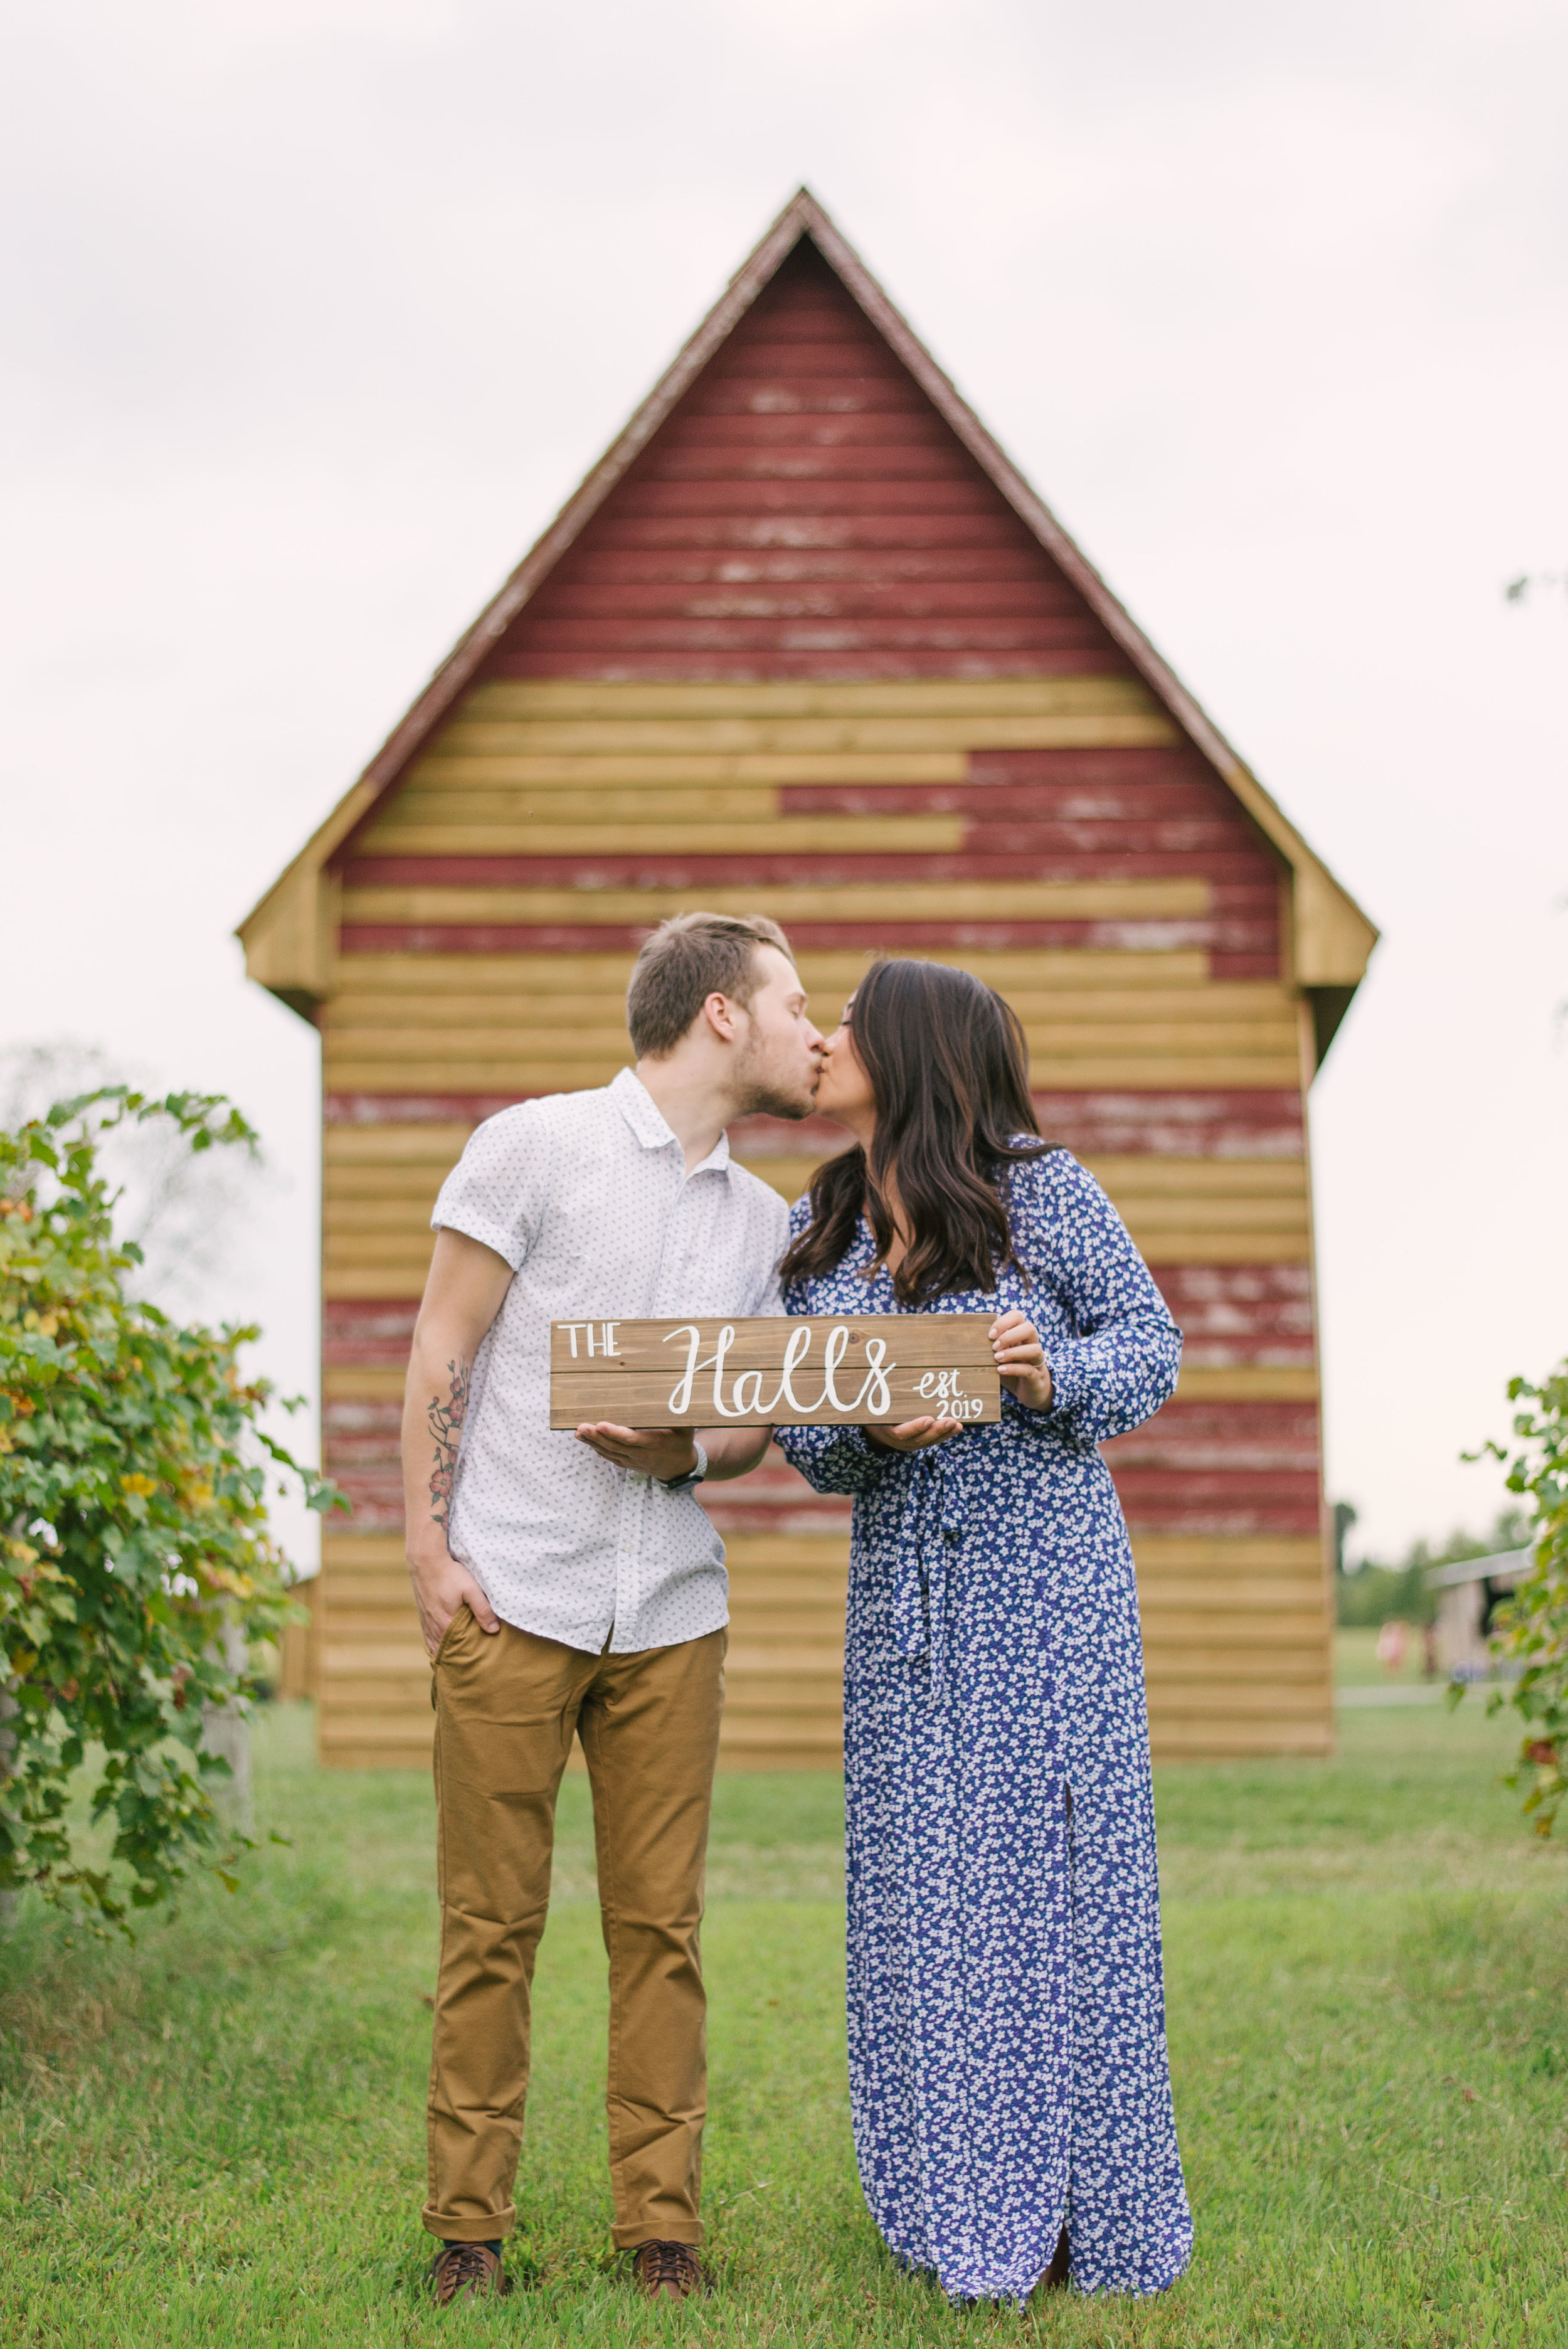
{"x": 571, "y": 1584}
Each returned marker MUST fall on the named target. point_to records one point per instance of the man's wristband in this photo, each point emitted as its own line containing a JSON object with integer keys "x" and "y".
{"x": 693, "y": 1476}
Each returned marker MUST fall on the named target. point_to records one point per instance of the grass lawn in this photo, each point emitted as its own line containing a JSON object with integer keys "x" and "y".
{"x": 217, "y": 2137}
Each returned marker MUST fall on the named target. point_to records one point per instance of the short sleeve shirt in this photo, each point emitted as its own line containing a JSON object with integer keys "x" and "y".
{"x": 586, "y": 1196}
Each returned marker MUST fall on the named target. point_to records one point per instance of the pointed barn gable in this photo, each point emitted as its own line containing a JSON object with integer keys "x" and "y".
{"x": 804, "y": 642}
{"x": 806, "y": 512}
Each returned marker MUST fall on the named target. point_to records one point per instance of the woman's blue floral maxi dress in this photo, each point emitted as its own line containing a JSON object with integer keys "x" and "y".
{"x": 1008, "y": 2058}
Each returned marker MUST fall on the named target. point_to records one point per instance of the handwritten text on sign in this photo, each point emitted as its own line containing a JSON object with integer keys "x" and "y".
{"x": 878, "y": 1369}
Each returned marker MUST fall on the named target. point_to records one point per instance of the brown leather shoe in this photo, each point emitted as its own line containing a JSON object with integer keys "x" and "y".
{"x": 470, "y": 2271}
{"x": 667, "y": 2271}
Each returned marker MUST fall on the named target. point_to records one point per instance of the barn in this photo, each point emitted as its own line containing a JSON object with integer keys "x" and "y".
{"x": 805, "y": 642}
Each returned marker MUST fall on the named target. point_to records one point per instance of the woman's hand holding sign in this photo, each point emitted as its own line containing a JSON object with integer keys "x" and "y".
{"x": 914, "y": 1435}
{"x": 1021, "y": 1360}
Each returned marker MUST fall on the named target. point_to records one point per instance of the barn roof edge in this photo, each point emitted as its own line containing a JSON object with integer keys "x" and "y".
{"x": 1333, "y": 939}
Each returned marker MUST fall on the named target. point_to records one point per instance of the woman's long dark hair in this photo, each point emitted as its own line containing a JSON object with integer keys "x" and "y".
{"x": 949, "y": 1069}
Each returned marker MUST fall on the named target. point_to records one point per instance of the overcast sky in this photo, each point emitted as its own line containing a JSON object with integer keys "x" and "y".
{"x": 313, "y": 311}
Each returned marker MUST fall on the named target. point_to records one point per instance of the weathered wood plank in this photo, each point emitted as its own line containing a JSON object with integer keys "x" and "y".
{"x": 861, "y": 903}
{"x": 574, "y": 1038}
{"x": 551, "y": 698}
{"x": 513, "y": 1077}
{"x": 925, "y": 835}
{"x": 1213, "y": 1014}
{"x": 1068, "y": 971}
{"x": 1219, "y": 1552}
{"x": 705, "y": 769}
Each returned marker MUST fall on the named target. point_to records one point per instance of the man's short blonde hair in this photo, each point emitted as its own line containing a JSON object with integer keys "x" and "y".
{"x": 688, "y": 959}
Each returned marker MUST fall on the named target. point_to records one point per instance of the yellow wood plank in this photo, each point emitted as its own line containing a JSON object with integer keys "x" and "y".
{"x": 396, "y": 1284}
{"x": 390, "y": 1073}
{"x": 781, "y": 740}
{"x": 1174, "y": 1247}
{"x": 625, "y": 771}
{"x": 361, "y": 1063}
{"x": 511, "y": 1078}
{"x": 1151, "y": 1072}
{"x": 375, "y": 1145}
{"x": 339, "y": 1384}
{"x": 1203, "y": 1597}
{"x": 445, "y": 803}
{"x": 602, "y": 977}
{"x": 346, "y": 1619}
{"x": 1014, "y": 971}
{"x": 378, "y": 1551}
{"x": 1242, "y": 1006}
{"x": 1216, "y": 1552}
{"x": 415, "y": 1185}
{"x": 863, "y": 904}
{"x": 1151, "y": 1179}
{"x": 1286, "y": 1642}
{"x": 1285, "y": 1219}
{"x": 903, "y": 697}
{"x": 1211, "y": 1017}
{"x": 356, "y": 1586}
{"x": 785, "y": 1552}
{"x": 545, "y": 1040}
{"x": 370, "y": 1656}
{"x": 821, "y": 1584}
{"x": 403, "y": 1251}
{"x": 405, "y": 1216}
{"x": 799, "y": 835}
{"x": 751, "y": 1658}
{"x": 1091, "y": 1037}
{"x": 576, "y": 1037}
{"x": 1264, "y": 1382}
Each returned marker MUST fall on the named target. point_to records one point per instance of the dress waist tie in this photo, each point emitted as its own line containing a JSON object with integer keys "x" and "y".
{"x": 929, "y": 1536}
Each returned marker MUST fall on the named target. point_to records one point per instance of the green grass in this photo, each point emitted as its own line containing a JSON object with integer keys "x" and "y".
{"x": 217, "y": 2137}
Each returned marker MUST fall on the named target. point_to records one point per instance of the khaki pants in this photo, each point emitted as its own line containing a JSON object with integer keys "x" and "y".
{"x": 507, "y": 1706}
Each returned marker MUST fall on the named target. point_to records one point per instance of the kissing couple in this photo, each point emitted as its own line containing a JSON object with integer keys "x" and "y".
{"x": 1009, "y": 2082}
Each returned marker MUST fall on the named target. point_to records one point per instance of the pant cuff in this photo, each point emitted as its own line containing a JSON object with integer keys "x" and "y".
{"x": 468, "y": 2230}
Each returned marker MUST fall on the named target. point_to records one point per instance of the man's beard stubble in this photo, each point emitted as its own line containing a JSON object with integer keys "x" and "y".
{"x": 762, "y": 1096}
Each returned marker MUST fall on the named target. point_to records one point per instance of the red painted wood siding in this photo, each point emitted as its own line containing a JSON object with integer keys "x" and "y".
{"x": 805, "y": 513}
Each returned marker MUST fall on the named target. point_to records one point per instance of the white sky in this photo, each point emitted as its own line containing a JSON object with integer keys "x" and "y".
{"x": 314, "y": 310}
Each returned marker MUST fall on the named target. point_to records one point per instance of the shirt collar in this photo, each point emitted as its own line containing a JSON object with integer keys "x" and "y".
{"x": 646, "y": 1119}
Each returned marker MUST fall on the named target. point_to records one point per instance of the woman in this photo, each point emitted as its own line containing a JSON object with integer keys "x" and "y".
{"x": 1010, "y": 2087}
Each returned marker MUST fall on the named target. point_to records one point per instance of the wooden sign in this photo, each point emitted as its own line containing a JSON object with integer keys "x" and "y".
{"x": 874, "y": 1370}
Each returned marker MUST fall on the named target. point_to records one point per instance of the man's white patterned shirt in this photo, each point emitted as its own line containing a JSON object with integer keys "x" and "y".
{"x": 587, "y": 1197}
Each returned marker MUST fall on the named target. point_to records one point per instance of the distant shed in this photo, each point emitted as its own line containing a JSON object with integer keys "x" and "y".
{"x": 805, "y": 642}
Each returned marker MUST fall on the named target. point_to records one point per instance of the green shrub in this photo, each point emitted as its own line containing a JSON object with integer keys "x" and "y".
{"x": 1531, "y": 1640}
{"x": 133, "y": 1526}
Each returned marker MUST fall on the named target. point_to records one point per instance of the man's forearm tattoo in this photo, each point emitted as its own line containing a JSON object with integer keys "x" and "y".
{"x": 446, "y": 1425}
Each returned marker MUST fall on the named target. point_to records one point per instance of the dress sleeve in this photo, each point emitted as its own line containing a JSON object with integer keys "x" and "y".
{"x": 498, "y": 1190}
{"x": 1121, "y": 1362}
{"x": 834, "y": 1459}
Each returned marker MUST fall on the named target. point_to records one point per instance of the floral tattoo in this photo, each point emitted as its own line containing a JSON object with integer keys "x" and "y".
{"x": 445, "y": 1421}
